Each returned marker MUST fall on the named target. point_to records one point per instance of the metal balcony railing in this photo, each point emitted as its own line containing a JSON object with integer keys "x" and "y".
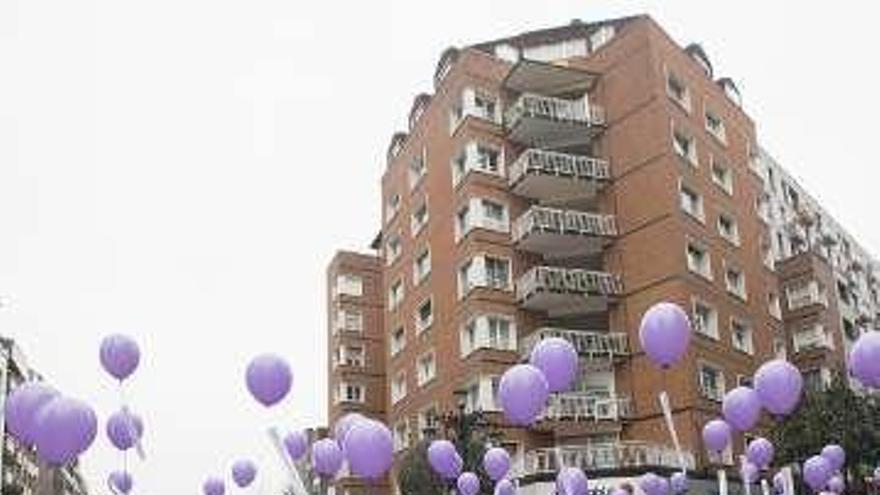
{"x": 604, "y": 456}
{"x": 588, "y": 406}
{"x": 587, "y": 343}
{"x": 567, "y": 281}
{"x": 530, "y": 105}
{"x": 539, "y": 219}
{"x": 538, "y": 161}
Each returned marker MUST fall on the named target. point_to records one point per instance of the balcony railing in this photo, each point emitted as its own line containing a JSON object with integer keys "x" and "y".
{"x": 586, "y": 406}
{"x": 550, "y": 279}
{"x": 543, "y": 220}
{"x": 604, "y": 456}
{"x": 557, "y": 109}
{"x": 588, "y": 344}
{"x": 537, "y": 161}
{"x": 547, "y": 122}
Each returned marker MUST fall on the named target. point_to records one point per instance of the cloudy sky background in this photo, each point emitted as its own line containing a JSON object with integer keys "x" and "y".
{"x": 182, "y": 170}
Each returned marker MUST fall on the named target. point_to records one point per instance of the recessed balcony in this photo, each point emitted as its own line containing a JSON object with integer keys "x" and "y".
{"x": 587, "y": 406}
{"x": 588, "y": 344}
{"x": 556, "y": 232}
{"x": 604, "y": 456}
{"x": 550, "y": 122}
{"x": 541, "y": 174}
{"x": 562, "y": 291}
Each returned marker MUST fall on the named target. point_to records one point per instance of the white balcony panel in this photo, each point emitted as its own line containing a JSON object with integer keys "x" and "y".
{"x": 605, "y": 456}
{"x": 587, "y": 406}
{"x": 548, "y": 122}
{"x": 542, "y": 174}
{"x": 561, "y": 291}
{"x": 589, "y": 344}
{"x": 555, "y": 232}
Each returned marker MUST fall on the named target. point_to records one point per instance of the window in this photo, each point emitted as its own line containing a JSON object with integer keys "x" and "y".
{"x": 805, "y": 293}
{"x": 398, "y": 340}
{"x": 468, "y": 339}
{"x": 417, "y": 170}
{"x": 488, "y": 160}
{"x": 705, "y": 319}
{"x": 401, "y": 435}
{"x": 497, "y": 272}
{"x": 691, "y": 202}
{"x": 484, "y": 271}
{"x": 462, "y": 222}
{"x": 349, "y": 285}
{"x": 698, "y": 260}
{"x": 485, "y": 106}
{"x": 743, "y": 381}
{"x": 722, "y": 176}
{"x": 601, "y": 36}
{"x": 741, "y": 336}
{"x": 494, "y": 216}
{"x": 393, "y": 249}
{"x": 398, "y": 388}
{"x": 494, "y": 384}
{"x": 711, "y": 382}
{"x": 427, "y": 369}
{"x": 728, "y": 229}
{"x": 422, "y": 266}
{"x": 812, "y": 336}
{"x": 395, "y": 294}
{"x": 735, "y": 282}
{"x": 685, "y": 146}
{"x": 465, "y": 283}
{"x": 715, "y": 126}
{"x": 349, "y": 320}
{"x": 392, "y": 206}
{"x": 419, "y": 218}
{"x": 424, "y": 315}
{"x": 472, "y": 399}
{"x": 678, "y": 92}
{"x": 350, "y": 392}
{"x": 488, "y": 331}
{"x": 773, "y": 306}
{"x": 353, "y": 355}
{"x": 779, "y": 349}
{"x": 499, "y": 332}
{"x": 478, "y": 157}
{"x": 429, "y": 421}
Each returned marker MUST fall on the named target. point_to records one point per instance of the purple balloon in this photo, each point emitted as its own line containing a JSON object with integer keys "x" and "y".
{"x": 496, "y": 462}
{"x": 22, "y": 407}
{"x": 343, "y": 424}
{"x": 119, "y": 355}
{"x": 835, "y": 455}
{"x": 296, "y": 443}
{"x": 716, "y": 435}
{"x": 505, "y": 487}
{"x": 679, "y": 482}
{"x": 741, "y": 408}
{"x": 572, "y": 481}
{"x": 760, "y": 452}
{"x": 64, "y": 429}
{"x": 864, "y": 359}
{"x": 120, "y": 482}
{"x": 778, "y": 384}
{"x": 779, "y": 482}
{"x": 836, "y": 484}
{"x": 523, "y": 392}
{"x": 468, "y": 484}
{"x": 269, "y": 379}
{"x": 244, "y": 472}
{"x": 444, "y": 459}
{"x": 817, "y": 471}
{"x": 558, "y": 360}
{"x": 326, "y": 457}
{"x": 369, "y": 447}
{"x": 653, "y": 484}
{"x": 213, "y": 486}
{"x": 749, "y": 472}
{"x": 665, "y": 333}
{"x": 620, "y": 491}
{"x": 124, "y": 429}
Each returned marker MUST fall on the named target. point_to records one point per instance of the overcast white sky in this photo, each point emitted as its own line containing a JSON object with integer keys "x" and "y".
{"x": 183, "y": 170}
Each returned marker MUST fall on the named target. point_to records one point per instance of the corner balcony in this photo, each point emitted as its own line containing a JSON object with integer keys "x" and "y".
{"x": 549, "y": 122}
{"x": 541, "y": 174}
{"x": 555, "y": 232}
{"x": 587, "y": 406}
{"x": 590, "y": 345}
{"x": 604, "y": 456}
{"x": 560, "y": 291}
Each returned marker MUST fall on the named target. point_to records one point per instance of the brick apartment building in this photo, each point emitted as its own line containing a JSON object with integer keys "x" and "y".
{"x": 558, "y": 183}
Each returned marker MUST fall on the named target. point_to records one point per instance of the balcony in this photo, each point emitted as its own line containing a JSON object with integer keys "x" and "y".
{"x": 548, "y": 122}
{"x": 541, "y": 174}
{"x": 561, "y": 291}
{"x": 586, "y": 406}
{"x": 590, "y": 345}
{"x": 604, "y": 456}
{"x": 554, "y": 232}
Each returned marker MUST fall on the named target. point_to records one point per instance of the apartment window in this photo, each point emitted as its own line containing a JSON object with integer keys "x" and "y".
{"x": 486, "y": 106}
{"x": 698, "y": 260}
{"x": 468, "y": 340}
{"x": 429, "y": 421}
{"x": 488, "y": 331}
{"x": 711, "y": 382}
{"x": 495, "y": 384}
{"x": 349, "y": 320}
{"x": 395, "y": 294}
{"x": 422, "y": 266}
{"x": 679, "y": 93}
{"x": 497, "y": 272}
{"x": 392, "y": 206}
{"x": 427, "y": 368}
{"x": 728, "y": 229}
{"x": 465, "y": 283}
{"x": 735, "y": 281}
{"x": 417, "y": 170}
{"x": 722, "y": 176}
{"x": 424, "y": 315}
{"x": 484, "y": 271}
{"x": 805, "y": 293}
{"x": 812, "y": 336}
{"x": 685, "y": 146}
{"x": 354, "y": 356}
{"x": 691, "y": 202}
{"x": 393, "y": 249}
{"x": 401, "y": 435}
{"x": 715, "y": 126}
{"x": 419, "y": 218}
{"x": 850, "y": 330}
{"x": 499, "y": 332}
{"x": 741, "y": 336}
{"x": 779, "y": 349}
{"x": 705, "y": 319}
{"x": 398, "y": 388}
{"x": 462, "y": 222}
{"x": 773, "y": 306}
{"x": 494, "y": 215}
{"x": 349, "y": 285}
{"x": 743, "y": 381}
{"x": 488, "y": 160}
{"x": 351, "y": 392}
{"x": 843, "y": 292}
{"x": 479, "y": 157}
{"x": 398, "y": 340}
{"x": 472, "y": 398}
{"x": 601, "y": 36}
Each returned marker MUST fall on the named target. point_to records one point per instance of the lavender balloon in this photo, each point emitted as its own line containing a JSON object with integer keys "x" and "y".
{"x": 817, "y": 471}
{"x": 864, "y": 359}
{"x": 444, "y": 459}
{"x": 835, "y": 455}
{"x": 269, "y": 379}
{"x": 779, "y": 482}
{"x": 716, "y": 435}
{"x": 64, "y": 429}
{"x": 505, "y": 487}
{"x": 296, "y": 443}
{"x": 778, "y": 384}
{"x": 558, "y": 360}
{"x": 496, "y": 462}
{"x": 468, "y": 484}
{"x": 244, "y": 472}
{"x": 665, "y": 333}
{"x": 836, "y": 484}
{"x": 572, "y": 481}
{"x": 119, "y": 356}
{"x": 679, "y": 482}
{"x": 369, "y": 447}
{"x": 344, "y": 424}
{"x": 523, "y": 392}
{"x": 22, "y": 407}
{"x": 741, "y": 408}
{"x": 653, "y": 484}
{"x": 120, "y": 482}
{"x": 213, "y": 486}
{"x": 749, "y": 472}
{"x": 326, "y": 457}
{"x": 760, "y": 452}
{"x": 124, "y": 429}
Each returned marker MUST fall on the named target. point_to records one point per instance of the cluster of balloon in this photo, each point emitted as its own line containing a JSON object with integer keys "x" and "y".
{"x": 822, "y": 472}
{"x": 679, "y": 483}
{"x": 120, "y": 356}
{"x": 864, "y": 359}
{"x": 572, "y": 481}
{"x": 244, "y": 472}
{"x": 444, "y": 459}
{"x": 653, "y": 484}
